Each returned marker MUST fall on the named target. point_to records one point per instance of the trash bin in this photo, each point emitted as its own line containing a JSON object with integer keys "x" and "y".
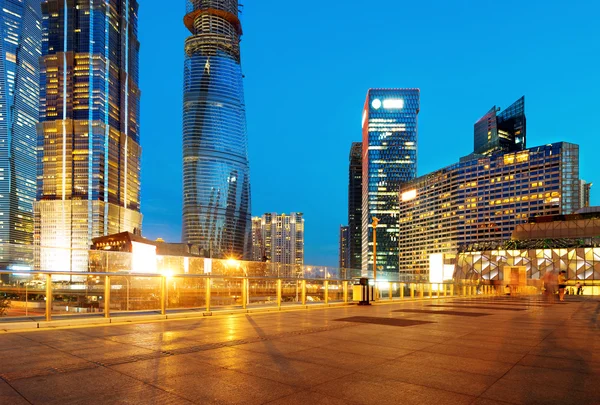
{"x": 362, "y": 292}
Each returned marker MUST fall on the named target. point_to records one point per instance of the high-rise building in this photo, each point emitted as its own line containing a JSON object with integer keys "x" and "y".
{"x": 258, "y": 247}
{"x": 355, "y": 207}
{"x": 482, "y": 199}
{"x": 88, "y": 179}
{"x": 344, "y": 246}
{"x": 389, "y": 159}
{"x": 586, "y": 189}
{"x": 282, "y": 237}
{"x": 216, "y": 175}
{"x": 501, "y": 131}
{"x": 20, "y": 49}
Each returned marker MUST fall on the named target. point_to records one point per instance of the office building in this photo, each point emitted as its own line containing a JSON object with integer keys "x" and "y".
{"x": 501, "y": 131}
{"x": 482, "y": 199}
{"x": 282, "y": 238}
{"x": 88, "y": 180}
{"x": 216, "y": 174}
{"x": 389, "y": 159}
{"x": 20, "y": 49}
{"x": 344, "y": 247}
{"x": 355, "y": 207}
{"x": 585, "y": 189}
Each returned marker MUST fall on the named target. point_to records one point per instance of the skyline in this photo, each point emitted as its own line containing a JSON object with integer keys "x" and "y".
{"x": 317, "y": 99}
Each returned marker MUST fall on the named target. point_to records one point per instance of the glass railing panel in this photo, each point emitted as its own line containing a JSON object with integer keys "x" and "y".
{"x": 226, "y": 292}
{"x": 22, "y": 297}
{"x": 315, "y": 291}
{"x": 262, "y": 292}
{"x": 291, "y": 291}
{"x": 335, "y": 291}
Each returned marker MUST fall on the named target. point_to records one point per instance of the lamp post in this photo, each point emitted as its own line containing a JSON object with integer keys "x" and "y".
{"x": 374, "y": 223}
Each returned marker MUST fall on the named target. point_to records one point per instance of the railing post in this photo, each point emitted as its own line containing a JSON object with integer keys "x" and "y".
{"x": 107, "y": 296}
{"x": 345, "y": 289}
{"x": 278, "y": 293}
{"x": 464, "y": 291}
{"x": 391, "y": 292}
{"x": 207, "y": 294}
{"x": 401, "y": 290}
{"x": 48, "y": 297}
{"x": 244, "y": 293}
{"x": 445, "y": 287}
{"x": 303, "y": 292}
{"x": 474, "y": 288}
{"x": 452, "y": 290}
{"x": 163, "y": 295}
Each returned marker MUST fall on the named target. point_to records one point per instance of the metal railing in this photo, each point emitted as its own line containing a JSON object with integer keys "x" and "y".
{"x": 50, "y": 295}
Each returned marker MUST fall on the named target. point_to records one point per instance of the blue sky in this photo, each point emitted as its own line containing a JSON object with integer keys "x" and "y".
{"x": 308, "y": 69}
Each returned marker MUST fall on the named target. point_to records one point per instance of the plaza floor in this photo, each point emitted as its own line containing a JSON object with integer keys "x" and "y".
{"x": 482, "y": 351}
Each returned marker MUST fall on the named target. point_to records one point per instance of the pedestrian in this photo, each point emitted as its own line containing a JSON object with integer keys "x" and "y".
{"x": 579, "y": 288}
{"x": 562, "y": 284}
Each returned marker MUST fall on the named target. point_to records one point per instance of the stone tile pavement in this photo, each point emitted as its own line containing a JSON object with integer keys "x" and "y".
{"x": 544, "y": 354}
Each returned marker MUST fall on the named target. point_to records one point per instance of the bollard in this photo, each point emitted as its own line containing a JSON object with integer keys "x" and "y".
{"x": 464, "y": 291}
{"x": 345, "y": 288}
{"x": 279, "y": 293}
{"x": 452, "y": 290}
{"x": 391, "y": 292}
{"x": 445, "y": 287}
{"x": 326, "y": 291}
{"x": 412, "y": 290}
{"x": 303, "y": 292}
{"x": 401, "y": 290}
{"x": 208, "y": 294}
{"x": 107, "y": 296}
{"x": 48, "y": 297}
{"x": 422, "y": 291}
{"x": 474, "y": 290}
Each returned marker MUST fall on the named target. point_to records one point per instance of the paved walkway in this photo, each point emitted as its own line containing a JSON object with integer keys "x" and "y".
{"x": 461, "y": 351}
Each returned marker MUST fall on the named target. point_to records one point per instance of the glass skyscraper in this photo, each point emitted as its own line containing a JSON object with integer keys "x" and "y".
{"x": 216, "y": 182}
{"x": 355, "y": 207}
{"x": 389, "y": 159}
{"x": 88, "y": 180}
{"x": 20, "y": 49}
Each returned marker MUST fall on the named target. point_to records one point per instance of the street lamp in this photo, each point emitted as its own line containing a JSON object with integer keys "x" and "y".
{"x": 374, "y": 223}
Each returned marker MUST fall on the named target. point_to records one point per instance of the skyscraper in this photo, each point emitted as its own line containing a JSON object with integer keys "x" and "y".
{"x": 88, "y": 137}
{"x": 258, "y": 247}
{"x": 389, "y": 158}
{"x": 355, "y": 207}
{"x": 344, "y": 245}
{"x": 20, "y": 49}
{"x": 216, "y": 182}
{"x": 501, "y": 131}
{"x": 281, "y": 237}
{"x": 585, "y": 190}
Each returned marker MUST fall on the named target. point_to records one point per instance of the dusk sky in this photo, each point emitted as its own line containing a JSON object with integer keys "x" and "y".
{"x": 308, "y": 68}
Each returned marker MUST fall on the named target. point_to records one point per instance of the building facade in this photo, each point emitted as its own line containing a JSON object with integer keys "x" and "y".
{"x": 585, "y": 190}
{"x": 389, "y": 159}
{"x": 88, "y": 151}
{"x": 344, "y": 247}
{"x": 20, "y": 49}
{"x": 258, "y": 247}
{"x": 482, "y": 199}
{"x": 355, "y": 207}
{"x": 282, "y": 238}
{"x": 501, "y": 131}
{"x": 216, "y": 174}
